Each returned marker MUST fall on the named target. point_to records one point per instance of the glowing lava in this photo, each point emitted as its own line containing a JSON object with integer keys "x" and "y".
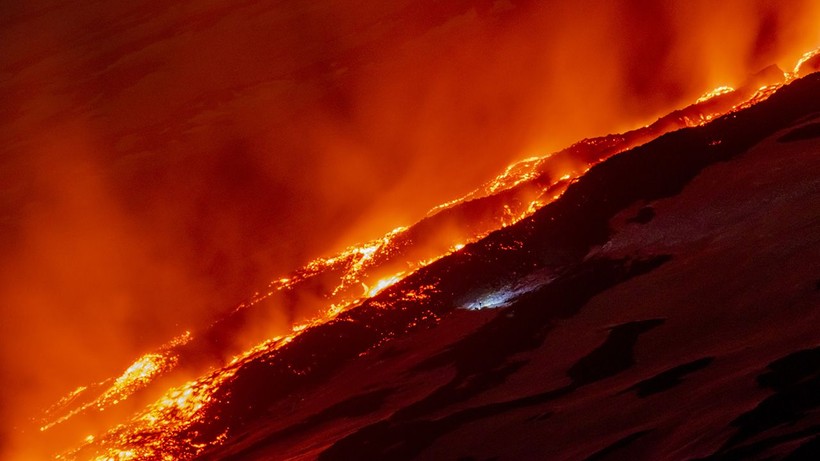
{"x": 165, "y": 429}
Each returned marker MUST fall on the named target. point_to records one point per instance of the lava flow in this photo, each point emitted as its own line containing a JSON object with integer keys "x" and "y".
{"x": 154, "y": 410}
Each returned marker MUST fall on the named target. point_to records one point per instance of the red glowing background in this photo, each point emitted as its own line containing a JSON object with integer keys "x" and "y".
{"x": 160, "y": 161}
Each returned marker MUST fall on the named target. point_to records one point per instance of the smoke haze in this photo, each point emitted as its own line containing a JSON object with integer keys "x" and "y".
{"x": 160, "y": 161}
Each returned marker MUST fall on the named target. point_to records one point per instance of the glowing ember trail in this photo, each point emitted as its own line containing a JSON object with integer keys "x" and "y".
{"x": 141, "y": 373}
{"x": 370, "y": 273}
{"x": 714, "y": 93}
{"x": 807, "y": 64}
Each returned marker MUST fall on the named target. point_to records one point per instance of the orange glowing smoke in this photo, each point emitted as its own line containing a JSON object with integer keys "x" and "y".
{"x": 159, "y": 431}
{"x": 159, "y": 162}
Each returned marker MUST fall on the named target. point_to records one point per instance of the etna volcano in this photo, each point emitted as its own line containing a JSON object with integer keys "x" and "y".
{"x": 652, "y": 294}
{"x": 660, "y": 305}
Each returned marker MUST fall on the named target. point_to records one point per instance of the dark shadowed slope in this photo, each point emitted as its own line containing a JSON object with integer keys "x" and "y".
{"x": 666, "y": 307}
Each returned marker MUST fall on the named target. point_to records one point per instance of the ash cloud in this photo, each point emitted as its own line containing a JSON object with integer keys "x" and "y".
{"x": 158, "y": 163}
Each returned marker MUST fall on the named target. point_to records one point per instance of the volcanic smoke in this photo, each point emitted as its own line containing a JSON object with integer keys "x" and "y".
{"x": 162, "y": 162}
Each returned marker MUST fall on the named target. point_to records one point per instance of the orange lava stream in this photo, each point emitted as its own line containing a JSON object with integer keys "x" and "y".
{"x": 714, "y": 93}
{"x": 798, "y": 68}
{"x": 156, "y": 432}
{"x": 144, "y": 370}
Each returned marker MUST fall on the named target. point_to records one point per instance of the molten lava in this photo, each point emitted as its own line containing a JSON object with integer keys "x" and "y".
{"x": 168, "y": 426}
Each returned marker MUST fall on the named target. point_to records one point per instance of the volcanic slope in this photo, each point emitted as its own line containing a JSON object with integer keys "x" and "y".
{"x": 567, "y": 335}
{"x": 154, "y": 384}
{"x": 665, "y": 307}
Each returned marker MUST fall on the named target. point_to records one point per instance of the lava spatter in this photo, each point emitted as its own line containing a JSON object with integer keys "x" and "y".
{"x": 167, "y": 428}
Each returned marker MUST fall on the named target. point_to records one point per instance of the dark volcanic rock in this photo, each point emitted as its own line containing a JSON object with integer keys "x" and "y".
{"x": 611, "y": 452}
{"x": 807, "y": 131}
{"x": 796, "y": 382}
{"x": 705, "y": 313}
{"x": 669, "y": 378}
